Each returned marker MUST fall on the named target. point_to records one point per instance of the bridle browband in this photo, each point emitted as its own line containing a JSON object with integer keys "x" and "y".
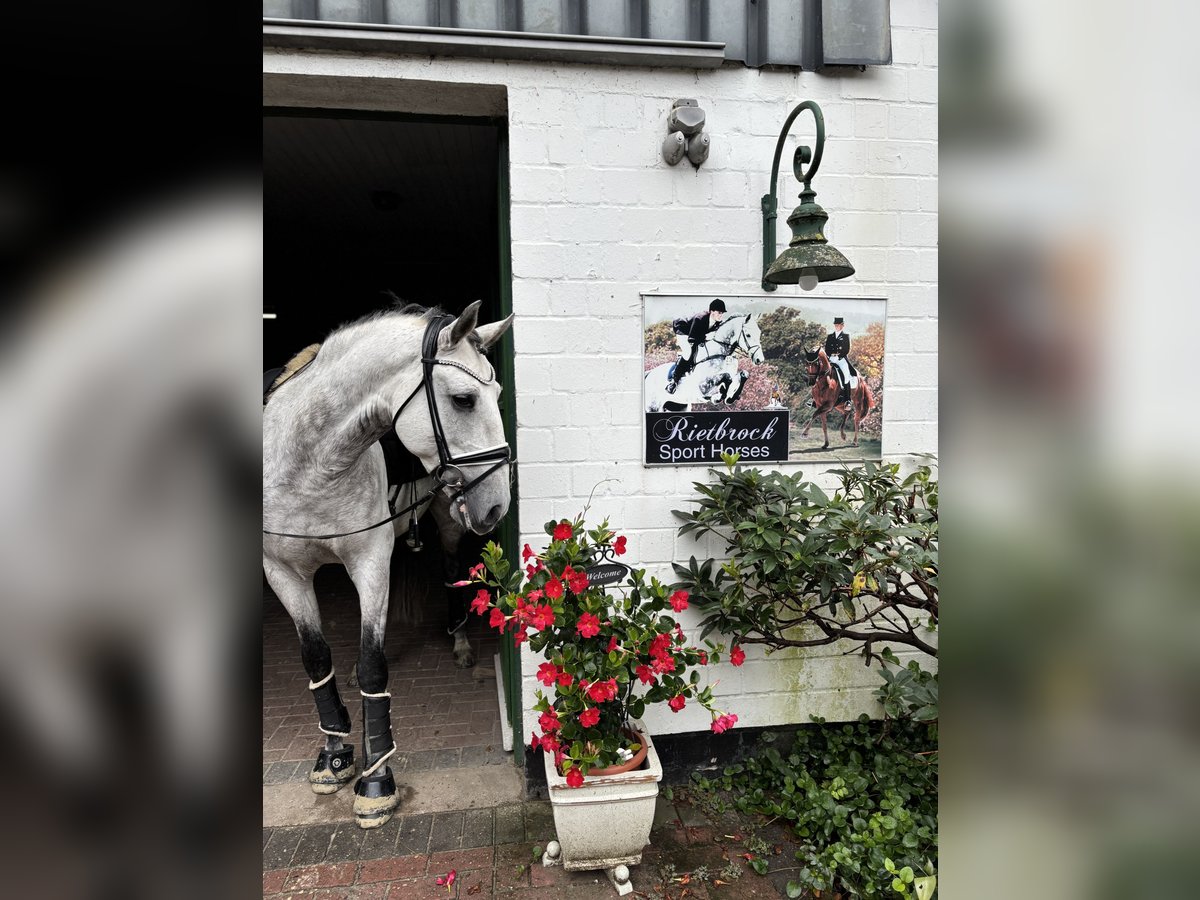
{"x": 448, "y": 475}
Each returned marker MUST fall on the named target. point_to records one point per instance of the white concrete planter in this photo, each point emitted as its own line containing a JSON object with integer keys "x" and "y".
{"x": 605, "y": 822}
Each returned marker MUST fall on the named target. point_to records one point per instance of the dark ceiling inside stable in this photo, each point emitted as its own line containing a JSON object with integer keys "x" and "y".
{"x": 354, "y": 206}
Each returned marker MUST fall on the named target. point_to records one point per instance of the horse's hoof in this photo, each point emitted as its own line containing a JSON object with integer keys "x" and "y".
{"x": 375, "y": 799}
{"x": 352, "y": 681}
{"x": 334, "y": 768}
{"x": 464, "y": 660}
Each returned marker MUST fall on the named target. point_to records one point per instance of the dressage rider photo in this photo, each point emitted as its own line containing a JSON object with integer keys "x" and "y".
{"x": 837, "y": 348}
{"x": 698, "y": 329}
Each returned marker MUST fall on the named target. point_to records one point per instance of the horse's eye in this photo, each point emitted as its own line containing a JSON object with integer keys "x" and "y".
{"x": 464, "y": 401}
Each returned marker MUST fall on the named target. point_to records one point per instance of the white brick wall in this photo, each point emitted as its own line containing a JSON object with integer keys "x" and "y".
{"x": 598, "y": 218}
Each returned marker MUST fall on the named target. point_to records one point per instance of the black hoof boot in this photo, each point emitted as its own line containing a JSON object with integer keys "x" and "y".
{"x": 375, "y": 798}
{"x": 334, "y": 768}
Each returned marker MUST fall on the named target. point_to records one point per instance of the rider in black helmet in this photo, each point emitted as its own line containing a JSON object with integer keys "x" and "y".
{"x": 697, "y": 333}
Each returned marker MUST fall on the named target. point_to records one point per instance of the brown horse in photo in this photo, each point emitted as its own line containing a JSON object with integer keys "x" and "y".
{"x": 825, "y": 395}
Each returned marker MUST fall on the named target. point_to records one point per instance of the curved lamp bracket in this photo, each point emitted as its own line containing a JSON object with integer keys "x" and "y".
{"x": 804, "y": 156}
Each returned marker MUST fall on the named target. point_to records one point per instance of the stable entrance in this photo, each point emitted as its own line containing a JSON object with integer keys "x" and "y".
{"x": 358, "y": 205}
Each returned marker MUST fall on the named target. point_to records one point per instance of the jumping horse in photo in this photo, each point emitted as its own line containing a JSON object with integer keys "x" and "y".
{"x": 825, "y": 394}
{"x": 424, "y": 375}
{"x": 712, "y": 379}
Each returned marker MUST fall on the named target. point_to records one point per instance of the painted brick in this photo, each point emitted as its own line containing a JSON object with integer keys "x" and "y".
{"x": 923, "y": 86}
{"x": 901, "y": 158}
{"x": 919, "y": 230}
{"x": 912, "y": 370}
{"x": 914, "y": 14}
{"x": 870, "y": 120}
{"x": 876, "y": 83}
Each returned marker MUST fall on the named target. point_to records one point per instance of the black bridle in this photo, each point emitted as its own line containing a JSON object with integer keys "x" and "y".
{"x": 448, "y": 475}
{"x": 732, "y": 347}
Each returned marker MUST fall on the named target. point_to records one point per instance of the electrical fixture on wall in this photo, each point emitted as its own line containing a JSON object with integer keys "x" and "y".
{"x": 809, "y": 257}
{"x": 685, "y": 134}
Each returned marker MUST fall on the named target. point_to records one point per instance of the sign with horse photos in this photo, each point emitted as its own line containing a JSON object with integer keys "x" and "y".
{"x": 774, "y": 379}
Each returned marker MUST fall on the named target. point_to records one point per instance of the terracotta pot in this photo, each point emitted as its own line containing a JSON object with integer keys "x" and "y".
{"x": 625, "y": 766}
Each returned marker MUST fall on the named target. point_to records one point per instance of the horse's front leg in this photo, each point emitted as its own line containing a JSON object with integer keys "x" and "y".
{"x": 737, "y": 392}
{"x": 375, "y": 797}
{"x": 335, "y": 762}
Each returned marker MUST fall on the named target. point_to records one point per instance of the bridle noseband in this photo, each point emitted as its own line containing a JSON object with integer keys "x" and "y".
{"x": 448, "y": 475}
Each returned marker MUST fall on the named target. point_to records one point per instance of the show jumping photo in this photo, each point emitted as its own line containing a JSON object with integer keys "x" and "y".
{"x": 811, "y": 362}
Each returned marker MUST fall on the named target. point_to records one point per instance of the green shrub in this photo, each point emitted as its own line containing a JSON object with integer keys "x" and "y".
{"x": 862, "y": 797}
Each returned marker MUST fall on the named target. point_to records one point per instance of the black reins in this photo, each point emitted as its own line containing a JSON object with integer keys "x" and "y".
{"x": 448, "y": 475}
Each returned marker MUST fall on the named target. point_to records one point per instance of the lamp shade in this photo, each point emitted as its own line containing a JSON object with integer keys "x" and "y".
{"x": 808, "y": 253}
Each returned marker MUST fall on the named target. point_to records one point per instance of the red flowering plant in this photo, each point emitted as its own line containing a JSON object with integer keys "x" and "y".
{"x": 608, "y": 655}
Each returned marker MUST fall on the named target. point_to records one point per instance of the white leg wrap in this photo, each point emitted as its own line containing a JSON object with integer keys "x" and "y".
{"x": 379, "y": 762}
{"x": 313, "y": 685}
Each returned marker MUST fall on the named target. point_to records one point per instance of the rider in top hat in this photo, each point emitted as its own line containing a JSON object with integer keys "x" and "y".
{"x": 837, "y": 348}
{"x": 701, "y": 324}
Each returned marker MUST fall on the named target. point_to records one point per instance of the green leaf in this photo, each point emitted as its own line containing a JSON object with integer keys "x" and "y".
{"x": 759, "y": 865}
{"x": 794, "y": 889}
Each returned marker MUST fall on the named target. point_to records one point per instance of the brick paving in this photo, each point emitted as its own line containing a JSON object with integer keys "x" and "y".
{"x": 493, "y": 853}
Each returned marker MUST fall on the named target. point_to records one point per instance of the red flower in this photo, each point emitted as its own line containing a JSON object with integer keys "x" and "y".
{"x": 679, "y": 601}
{"x": 588, "y": 625}
{"x": 704, "y": 657}
{"x": 448, "y": 880}
{"x": 546, "y": 673}
{"x": 496, "y": 620}
{"x": 527, "y": 554}
{"x": 543, "y": 617}
{"x": 549, "y": 722}
{"x": 549, "y": 743}
{"x": 612, "y": 644}
{"x": 737, "y": 655}
{"x": 664, "y": 663}
{"x": 554, "y": 588}
{"x": 564, "y": 679}
{"x": 475, "y": 571}
{"x": 574, "y": 777}
{"x": 723, "y": 723}
{"x": 481, "y": 602}
{"x": 578, "y": 582}
{"x": 519, "y": 636}
{"x": 603, "y": 691}
{"x": 534, "y": 742}
{"x": 660, "y": 645}
{"x": 619, "y": 546}
{"x": 645, "y": 674}
{"x": 563, "y": 531}
{"x": 676, "y": 703}
{"x": 589, "y": 717}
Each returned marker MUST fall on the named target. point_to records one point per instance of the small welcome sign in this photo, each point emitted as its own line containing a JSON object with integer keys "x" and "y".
{"x": 763, "y": 377}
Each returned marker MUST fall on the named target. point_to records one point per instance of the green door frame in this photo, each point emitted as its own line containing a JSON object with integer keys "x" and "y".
{"x": 510, "y": 530}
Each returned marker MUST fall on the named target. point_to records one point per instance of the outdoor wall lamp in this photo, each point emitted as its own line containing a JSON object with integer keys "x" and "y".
{"x": 809, "y": 258}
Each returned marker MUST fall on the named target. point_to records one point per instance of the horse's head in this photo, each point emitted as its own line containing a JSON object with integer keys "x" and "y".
{"x": 816, "y": 363}
{"x": 473, "y": 461}
{"x": 751, "y": 340}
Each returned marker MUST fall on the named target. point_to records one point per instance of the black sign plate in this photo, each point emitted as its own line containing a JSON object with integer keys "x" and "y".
{"x": 606, "y": 573}
{"x": 699, "y": 438}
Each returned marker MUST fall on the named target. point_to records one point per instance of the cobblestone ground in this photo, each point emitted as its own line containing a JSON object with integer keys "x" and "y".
{"x": 492, "y": 852}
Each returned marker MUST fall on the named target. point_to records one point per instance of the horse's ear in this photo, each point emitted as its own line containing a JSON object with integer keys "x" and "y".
{"x": 489, "y": 334}
{"x": 453, "y": 333}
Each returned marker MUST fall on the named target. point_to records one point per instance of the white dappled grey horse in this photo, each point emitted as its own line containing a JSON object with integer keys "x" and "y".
{"x": 325, "y": 496}
{"x": 712, "y": 379}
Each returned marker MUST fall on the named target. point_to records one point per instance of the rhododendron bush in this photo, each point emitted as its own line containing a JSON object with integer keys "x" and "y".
{"x": 610, "y": 652}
